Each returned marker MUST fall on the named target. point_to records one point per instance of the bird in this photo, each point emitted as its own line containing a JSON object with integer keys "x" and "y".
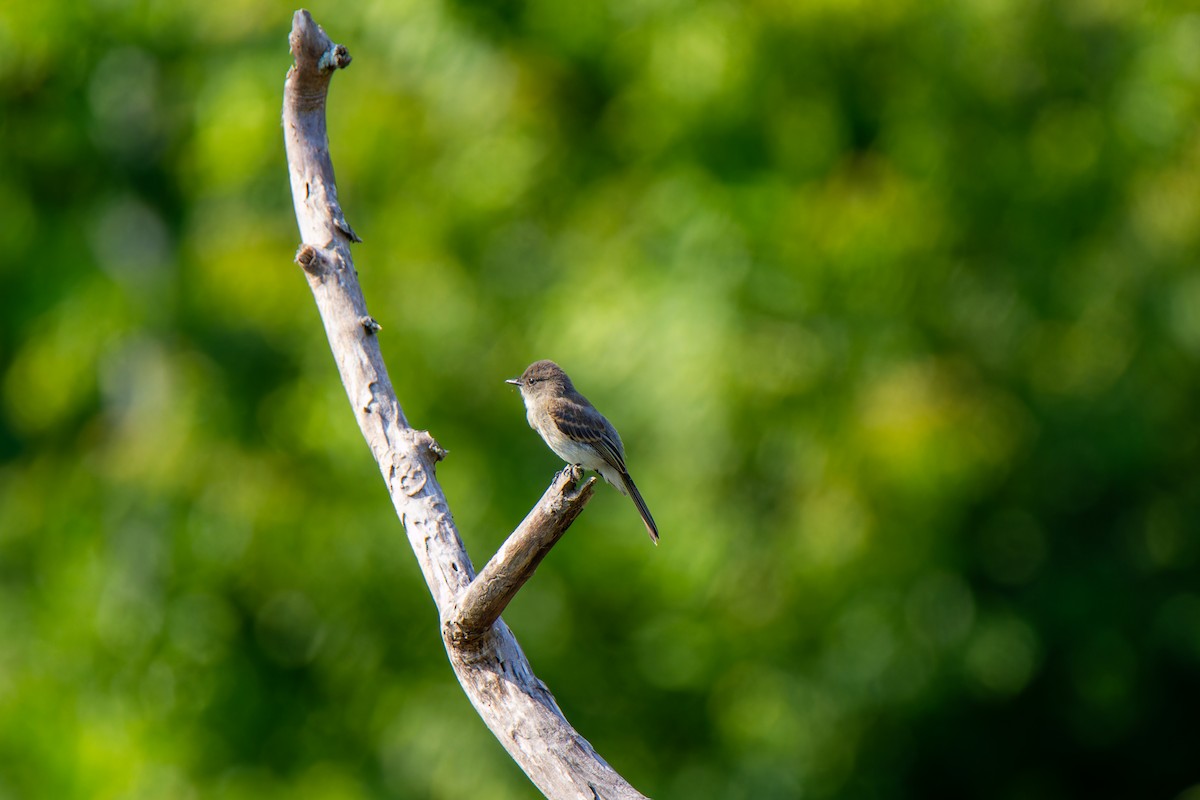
{"x": 576, "y": 432}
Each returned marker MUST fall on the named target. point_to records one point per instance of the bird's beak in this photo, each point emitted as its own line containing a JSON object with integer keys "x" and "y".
{"x": 513, "y": 381}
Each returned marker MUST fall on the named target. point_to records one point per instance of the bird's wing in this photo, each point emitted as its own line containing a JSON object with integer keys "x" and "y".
{"x": 586, "y": 424}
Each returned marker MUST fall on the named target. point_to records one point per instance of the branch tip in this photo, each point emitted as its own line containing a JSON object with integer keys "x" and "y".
{"x": 571, "y": 485}
{"x": 585, "y": 489}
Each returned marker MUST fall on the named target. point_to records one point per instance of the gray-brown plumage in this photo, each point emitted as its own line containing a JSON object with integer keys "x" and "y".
{"x": 576, "y": 431}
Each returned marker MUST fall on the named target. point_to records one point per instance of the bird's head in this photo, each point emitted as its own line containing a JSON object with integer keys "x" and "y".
{"x": 541, "y": 376}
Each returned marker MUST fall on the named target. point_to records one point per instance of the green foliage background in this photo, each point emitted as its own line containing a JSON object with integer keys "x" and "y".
{"x": 895, "y": 304}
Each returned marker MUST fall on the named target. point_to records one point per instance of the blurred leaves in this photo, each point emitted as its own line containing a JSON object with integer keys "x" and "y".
{"x": 895, "y": 306}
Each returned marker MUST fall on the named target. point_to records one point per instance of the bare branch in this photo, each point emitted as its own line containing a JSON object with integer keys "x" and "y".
{"x": 488, "y": 661}
{"x": 514, "y": 563}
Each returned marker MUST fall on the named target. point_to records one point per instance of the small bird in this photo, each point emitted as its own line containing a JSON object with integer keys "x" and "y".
{"x": 576, "y": 431}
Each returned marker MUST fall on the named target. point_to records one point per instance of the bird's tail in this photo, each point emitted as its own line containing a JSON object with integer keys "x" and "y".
{"x": 633, "y": 492}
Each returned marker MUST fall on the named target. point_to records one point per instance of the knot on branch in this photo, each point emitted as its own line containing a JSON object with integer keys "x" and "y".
{"x": 313, "y": 261}
{"x": 336, "y": 57}
{"x": 425, "y": 443}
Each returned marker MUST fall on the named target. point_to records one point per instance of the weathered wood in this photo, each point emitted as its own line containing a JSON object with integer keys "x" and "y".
{"x": 488, "y": 661}
{"x": 497, "y": 584}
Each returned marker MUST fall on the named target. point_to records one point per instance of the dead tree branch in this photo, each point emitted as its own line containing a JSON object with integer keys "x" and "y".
{"x": 486, "y": 657}
{"x": 485, "y": 599}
